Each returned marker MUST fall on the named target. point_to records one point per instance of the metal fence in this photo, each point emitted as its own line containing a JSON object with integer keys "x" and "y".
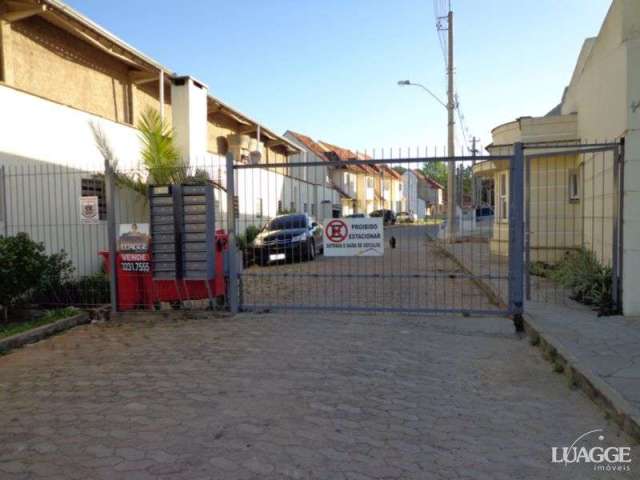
{"x": 428, "y": 265}
{"x": 43, "y": 201}
{"x": 567, "y": 197}
{"x": 573, "y": 219}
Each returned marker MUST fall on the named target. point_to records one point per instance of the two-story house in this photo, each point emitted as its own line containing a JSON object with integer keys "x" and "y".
{"x": 59, "y": 74}
{"x": 431, "y": 192}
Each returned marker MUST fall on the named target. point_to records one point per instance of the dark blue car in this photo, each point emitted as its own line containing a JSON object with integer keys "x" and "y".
{"x": 294, "y": 237}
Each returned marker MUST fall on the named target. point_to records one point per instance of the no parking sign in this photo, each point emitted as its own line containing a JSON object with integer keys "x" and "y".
{"x": 354, "y": 237}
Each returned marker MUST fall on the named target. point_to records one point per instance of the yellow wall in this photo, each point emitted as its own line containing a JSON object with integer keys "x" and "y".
{"x": 556, "y": 222}
{"x": 51, "y": 63}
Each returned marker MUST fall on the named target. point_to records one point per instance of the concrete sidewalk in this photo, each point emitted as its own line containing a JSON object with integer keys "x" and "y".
{"x": 601, "y": 355}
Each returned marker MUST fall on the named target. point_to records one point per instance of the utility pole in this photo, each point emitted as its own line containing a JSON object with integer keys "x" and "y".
{"x": 451, "y": 181}
{"x": 474, "y": 190}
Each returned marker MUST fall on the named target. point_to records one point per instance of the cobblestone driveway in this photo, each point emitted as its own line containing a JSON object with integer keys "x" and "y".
{"x": 415, "y": 274}
{"x": 332, "y": 397}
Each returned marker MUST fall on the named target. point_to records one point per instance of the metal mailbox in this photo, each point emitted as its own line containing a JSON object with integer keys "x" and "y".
{"x": 165, "y": 234}
{"x": 197, "y": 227}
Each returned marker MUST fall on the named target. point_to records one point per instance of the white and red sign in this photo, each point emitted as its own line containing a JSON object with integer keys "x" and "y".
{"x": 354, "y": 237}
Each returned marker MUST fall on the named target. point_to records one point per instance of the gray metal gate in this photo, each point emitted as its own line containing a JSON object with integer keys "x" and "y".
{"x": 573, "y": 210}
{"x": 427, "y": 266}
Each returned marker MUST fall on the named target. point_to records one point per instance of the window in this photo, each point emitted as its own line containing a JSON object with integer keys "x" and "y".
{"x": 504, "y": 210}
{"x": 292, "y": 207}
{"x": 279, "y": 207}
{"x": 259, "y": 209}
{"x": 94, "y": 187}
{"x": 314, "y": 212}
{"x": 305, "y": 208}
{"x": 574, "y": 186}
{"x": 369, "y": 182}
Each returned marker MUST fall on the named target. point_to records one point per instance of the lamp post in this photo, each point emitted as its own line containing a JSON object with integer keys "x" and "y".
{"x": 451, "y": 185}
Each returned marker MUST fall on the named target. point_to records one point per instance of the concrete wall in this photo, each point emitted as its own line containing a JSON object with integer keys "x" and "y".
{"x": 602, "y": 93}
{"x": 36, "y": 128}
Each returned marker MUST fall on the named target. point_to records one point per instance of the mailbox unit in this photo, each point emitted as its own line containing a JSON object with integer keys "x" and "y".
{"x": 197, "y": 227}
{"x": 183, "y": 232}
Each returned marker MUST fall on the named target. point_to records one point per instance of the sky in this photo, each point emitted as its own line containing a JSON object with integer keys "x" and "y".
{"x": 329, "y": 68}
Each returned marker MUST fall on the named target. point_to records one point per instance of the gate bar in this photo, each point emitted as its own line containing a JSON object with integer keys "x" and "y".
{"x": 232, "y": 288}
{"x": 516, "y": 236}
{"x": 616, "y": 265}
{"x": 111, "y": 233}
{"x": 342, "y": 163}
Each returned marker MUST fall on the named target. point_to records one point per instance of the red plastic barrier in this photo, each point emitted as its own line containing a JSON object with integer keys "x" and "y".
{"x": 138, "y": 289}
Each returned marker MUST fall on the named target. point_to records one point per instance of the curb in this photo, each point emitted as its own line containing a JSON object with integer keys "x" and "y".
{"x": 40, "y": 333}
{"x": 616, "y": 407}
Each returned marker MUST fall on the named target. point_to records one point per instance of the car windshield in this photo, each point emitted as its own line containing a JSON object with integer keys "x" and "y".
{"x": 288, "y": 222}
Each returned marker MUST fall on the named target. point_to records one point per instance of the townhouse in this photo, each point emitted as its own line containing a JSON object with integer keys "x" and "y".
{"x": 430, "y": 192}
{"x": 60, "y": 73}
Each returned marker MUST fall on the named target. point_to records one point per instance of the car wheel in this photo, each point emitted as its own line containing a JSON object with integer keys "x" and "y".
{"x": 311, "y": 250}
{"x": 261, "y": 259}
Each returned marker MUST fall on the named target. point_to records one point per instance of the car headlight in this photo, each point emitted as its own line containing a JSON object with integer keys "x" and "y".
{"x": 299, "y": 238}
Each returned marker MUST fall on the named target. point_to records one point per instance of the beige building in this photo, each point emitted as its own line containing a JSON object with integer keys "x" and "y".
{"x": 59, "y": 73}
{"x": 572, "y": 200}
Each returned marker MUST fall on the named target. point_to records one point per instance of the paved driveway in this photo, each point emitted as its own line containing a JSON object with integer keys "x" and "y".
{"x": 317, "y": 396}
{"x": 414, "y": 274}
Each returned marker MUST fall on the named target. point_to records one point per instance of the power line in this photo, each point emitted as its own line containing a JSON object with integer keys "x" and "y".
{"x": 439, "y": 9}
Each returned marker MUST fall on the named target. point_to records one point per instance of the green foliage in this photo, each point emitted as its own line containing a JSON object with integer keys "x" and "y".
{"x": 437, "y": 171}
{"x": 159, "y": 153}
{"x": 286, "y": 211}
{"x": 85, "y": 291}
{"x": 245, "y": 239}
{"x": 588, "y": 280}
{"x": 50, "y": 316}
{"x": 159, "y": 156}
{"x": 22, "y": 265}
{"x": 540, "y": 269}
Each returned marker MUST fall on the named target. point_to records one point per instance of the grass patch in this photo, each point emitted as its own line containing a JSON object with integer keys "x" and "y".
{"x": 13, "y": 328}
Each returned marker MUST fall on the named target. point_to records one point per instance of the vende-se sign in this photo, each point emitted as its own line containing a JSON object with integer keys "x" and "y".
{"x": 354, "y": 237}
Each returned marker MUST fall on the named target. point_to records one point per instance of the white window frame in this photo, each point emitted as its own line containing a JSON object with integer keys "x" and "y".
{"x": 573, "y": 185}
{"x": 504, "y": 197}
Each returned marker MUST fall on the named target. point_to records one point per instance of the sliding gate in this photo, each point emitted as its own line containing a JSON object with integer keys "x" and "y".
{"x": 288, "y": 218}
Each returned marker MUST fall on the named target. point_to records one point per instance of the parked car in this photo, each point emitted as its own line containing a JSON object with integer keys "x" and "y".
{"x": 388, "y": 217}
{"x": 292, "y": 237}
{"x": 356, "y": 215}
{"x": 406, "y": 217}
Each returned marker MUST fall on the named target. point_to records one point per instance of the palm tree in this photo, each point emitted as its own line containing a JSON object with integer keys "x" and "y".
{"x": 159, "y": 154}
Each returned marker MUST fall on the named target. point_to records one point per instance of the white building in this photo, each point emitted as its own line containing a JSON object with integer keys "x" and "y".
{"x": 60, "y": 73}
{"x": 414, "y": 204}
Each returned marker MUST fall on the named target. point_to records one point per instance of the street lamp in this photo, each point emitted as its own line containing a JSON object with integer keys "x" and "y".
{"x": 405, "y": 83}
{"x": 451, "y": 186}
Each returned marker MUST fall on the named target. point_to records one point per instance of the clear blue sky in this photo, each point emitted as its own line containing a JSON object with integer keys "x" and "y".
{"x": 328, "y": 68}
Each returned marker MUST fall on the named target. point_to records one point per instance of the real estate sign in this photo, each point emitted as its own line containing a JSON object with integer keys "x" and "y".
{"x": 354, "y": 237}
{"x": 133, "y": 245}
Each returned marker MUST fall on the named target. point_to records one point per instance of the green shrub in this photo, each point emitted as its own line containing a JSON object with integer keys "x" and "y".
{"x": 84, "y": 291}
{"x": 588, "y": 280}
{"x": 540, "y": 269}
{"x": 22, "y": 264}
{"x": 244, "y": 240}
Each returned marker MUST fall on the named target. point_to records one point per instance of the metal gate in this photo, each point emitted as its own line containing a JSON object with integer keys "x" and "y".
{"x": 429, "y": 264}
{"x": 573, "y": 211}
